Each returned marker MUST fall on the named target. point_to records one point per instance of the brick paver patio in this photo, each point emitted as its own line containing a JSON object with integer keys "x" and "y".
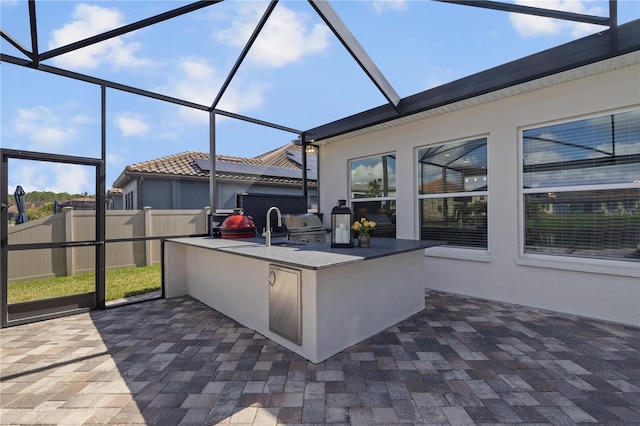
{"x": 461, "y": 361}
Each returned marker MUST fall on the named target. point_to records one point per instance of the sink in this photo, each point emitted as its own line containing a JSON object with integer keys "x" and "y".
{"x": 288, "y": 243}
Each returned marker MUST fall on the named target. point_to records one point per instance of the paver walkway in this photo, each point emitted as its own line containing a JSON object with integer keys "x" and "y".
{"x": 461, "y": 361}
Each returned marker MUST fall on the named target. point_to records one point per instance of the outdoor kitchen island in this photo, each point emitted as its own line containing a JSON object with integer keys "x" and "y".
{"x": 308, "y": 297}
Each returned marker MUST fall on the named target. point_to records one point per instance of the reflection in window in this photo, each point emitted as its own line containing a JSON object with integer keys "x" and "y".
{"x": 452, "y": 193}
{"x": 596, "y": 151}
{"x": 581, "y": 185}
{"x": 383, "y": 213}
{"x": 373, "y": 192}
{"x": 373, "y": 177}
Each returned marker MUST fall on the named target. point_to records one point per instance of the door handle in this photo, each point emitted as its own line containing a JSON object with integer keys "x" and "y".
{"x": 272, "y": 278}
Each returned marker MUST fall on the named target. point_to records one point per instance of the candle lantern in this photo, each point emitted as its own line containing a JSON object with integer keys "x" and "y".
{"x": 341, "y": 220}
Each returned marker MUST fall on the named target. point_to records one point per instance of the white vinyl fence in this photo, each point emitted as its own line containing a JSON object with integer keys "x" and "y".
{"x": 79, "y": 225}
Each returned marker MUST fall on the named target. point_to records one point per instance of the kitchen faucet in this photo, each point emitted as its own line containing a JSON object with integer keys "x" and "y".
{"x": 268, "y": 232}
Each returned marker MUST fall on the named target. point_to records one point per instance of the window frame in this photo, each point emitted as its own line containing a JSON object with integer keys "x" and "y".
{"x": 478, "y": 254}
{"x": 128, "y": 200}
{"x": 352, "y": 200}
{"x": 582, "y": 263}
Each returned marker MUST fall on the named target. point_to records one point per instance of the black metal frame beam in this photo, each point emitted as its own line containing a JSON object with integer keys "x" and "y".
{"x": 585, "y": 51}
{"x": 15, "y": 43}
{"x": 256, "y": 121}
{"x": 34, "y": 32}
{"x": 125, "y": 29}
{"x": 619, "y": 160}
{"x": 141, "y": 92}
{"x": 613, "y": 24}
{"x": 245, "y": 51}
{"x": 342, "y": 32}
{"x": 530, "y": 10}
{"x": 396, "y": 108}
{"x": 611, "y": 21}
{"x": 101, "y": 82}
{"x": 101, "y": 220}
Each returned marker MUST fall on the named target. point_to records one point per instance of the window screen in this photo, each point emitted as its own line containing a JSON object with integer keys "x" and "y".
{"x": 452, "y": 193}
{"x": 581, "y": 187}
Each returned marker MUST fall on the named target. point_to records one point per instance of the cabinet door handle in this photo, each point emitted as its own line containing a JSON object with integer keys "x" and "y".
{"x": 272, "y": 278}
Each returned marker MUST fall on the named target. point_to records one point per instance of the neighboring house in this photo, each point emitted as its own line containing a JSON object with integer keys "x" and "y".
{"x": 181, "y": 181}
{"x": 78, "y": 204}
{"x": 12, "y": 213}
{"x": 114, "y": 199}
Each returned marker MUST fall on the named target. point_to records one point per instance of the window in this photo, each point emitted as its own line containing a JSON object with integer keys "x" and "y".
{"x": 581, "y": 188}
{"x": 373, "y": 192}
{"x": 452, "y": 193}
{"x": 128, "y": 200}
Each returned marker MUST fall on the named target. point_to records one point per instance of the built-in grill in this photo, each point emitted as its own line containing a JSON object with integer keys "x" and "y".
{"x": 304, "y": 227}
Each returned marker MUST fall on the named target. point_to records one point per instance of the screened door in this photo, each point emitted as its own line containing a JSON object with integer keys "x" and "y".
{"x": 52, "y": 235}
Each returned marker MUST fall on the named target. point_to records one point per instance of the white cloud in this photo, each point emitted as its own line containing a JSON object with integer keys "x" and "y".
{"x": 43, "y": 128}
{"x": 621, "y": 148}
{"x": 365, "y": 173}
{"x": 83, "y": 119}
{"x": 9, "y": 3}
{"x": 88, "y": 21}
{"x": 529, "y": 25}
{"x": 284, "y": 40}
{"x": 54, "y": 177}
{"x": 131, "y": 124}
{"x": 73, "y": 179}
{"x": 198, "y": 81}
{"x": 115, "y": 158}
{"x": 437, "y": 76}
{"x": 382, "y": 6}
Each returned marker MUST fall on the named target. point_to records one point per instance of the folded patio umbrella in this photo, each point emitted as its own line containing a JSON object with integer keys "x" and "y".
{"x": 21, "y": 204}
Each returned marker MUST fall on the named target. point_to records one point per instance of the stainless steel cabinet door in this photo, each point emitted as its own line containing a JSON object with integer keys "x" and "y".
{"x": 285, "y": 303}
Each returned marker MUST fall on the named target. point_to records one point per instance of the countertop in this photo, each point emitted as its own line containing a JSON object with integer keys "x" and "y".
{"x": 307, "y": 255}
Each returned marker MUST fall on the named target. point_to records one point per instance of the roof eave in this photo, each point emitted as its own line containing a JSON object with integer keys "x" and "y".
{"x": 126, "y": 177}
{"x": 121, "y": 181}
{"x": 585, "y": 51}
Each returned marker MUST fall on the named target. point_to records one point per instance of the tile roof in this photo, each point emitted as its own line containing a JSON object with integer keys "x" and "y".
{"x": 280, "y": 157}
{"x": 178, "y": 164}
{"x": 187, "y": 164}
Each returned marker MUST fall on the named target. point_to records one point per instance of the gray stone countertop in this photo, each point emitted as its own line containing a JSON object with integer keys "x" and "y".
{"x": 307, "y": 255}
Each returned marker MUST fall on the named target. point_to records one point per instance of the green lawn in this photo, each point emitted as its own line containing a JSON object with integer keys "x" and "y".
{"x": 119, "y": 283}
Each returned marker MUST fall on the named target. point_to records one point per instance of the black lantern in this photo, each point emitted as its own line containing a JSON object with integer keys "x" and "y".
{"x": 341, "y": 221}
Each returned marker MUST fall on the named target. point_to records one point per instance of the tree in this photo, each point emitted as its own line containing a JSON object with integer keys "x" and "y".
{"x": 40, "y": 203}
{"x": 43, "y": 210}
{"x": 374, "y": 188}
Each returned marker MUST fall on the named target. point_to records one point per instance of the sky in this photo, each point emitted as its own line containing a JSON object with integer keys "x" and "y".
{"x": 297, "y": 74}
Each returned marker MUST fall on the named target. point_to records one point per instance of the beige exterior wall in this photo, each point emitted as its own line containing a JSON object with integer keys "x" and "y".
{"x": 608, "y": 290}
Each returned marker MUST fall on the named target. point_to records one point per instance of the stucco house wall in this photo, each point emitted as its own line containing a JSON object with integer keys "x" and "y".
{"x": 165, "y": 193}
{"x": 162, "y": 193}
{"x": 130, "y": 190}
{"x": 603, "y": 289}
{"x": 183, "y": 194}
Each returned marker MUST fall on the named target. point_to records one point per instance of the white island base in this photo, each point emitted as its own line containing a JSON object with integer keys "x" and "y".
{"x": 345, "y": 296}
